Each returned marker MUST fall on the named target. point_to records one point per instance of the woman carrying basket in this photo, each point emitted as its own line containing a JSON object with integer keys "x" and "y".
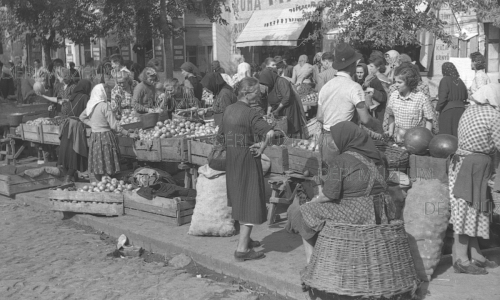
{"x": 354, "y": 190}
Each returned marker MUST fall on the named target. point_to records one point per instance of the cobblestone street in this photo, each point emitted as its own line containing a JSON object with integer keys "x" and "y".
{"x": 45, "y": 257}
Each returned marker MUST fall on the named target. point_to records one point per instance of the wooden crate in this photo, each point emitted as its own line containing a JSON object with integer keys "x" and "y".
{"x": 279, "y": 158}
{"x": 126, "y": 146}
{"x": 300, "y": 160}
{"x": 428, "y": 167}
{"x": 166, "y": 210}
{"x": 15, "y": 184}
{"x": 32, "y": 133}
{"x": 169, "y": 149}
{"x": 198, "y": 152}
{"x": 108, "y": 204}
{"x": 50, "y": 134}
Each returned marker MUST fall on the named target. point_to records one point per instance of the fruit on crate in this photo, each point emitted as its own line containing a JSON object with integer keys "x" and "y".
{"x": 311, "y": 98}
{"x": 306, "y": 145}
{"x": 108, "y": 185}
{"x": 443, "y": 145}
{"x": 177, "y": 128}
{"x": 417, "y": 139}
{"x": 129, "y": 116}
{"x": 47, "y": 121}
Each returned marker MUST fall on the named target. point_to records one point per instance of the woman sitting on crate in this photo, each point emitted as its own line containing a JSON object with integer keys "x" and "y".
{"x": 354, "y": 189}
{"x": 73, "y": 149}
{"x": 144, "y": 92}
{"x": 282, "y": 97}
{"x": 223, "y": 94}
{"x": 104, "y": 155}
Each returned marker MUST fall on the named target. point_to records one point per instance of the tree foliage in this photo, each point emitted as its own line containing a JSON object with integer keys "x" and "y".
{"x": 389, "y": 23}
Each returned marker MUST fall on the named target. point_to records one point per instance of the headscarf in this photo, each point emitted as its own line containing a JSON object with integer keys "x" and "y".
{"x": 244, "y": 70}
{"x": 83, "y": 87}
{"x": 392, "y": 58}
{"x": 365, "y": 70}
{"x": 213, "y": 82}
{"x": 97, "y": 96}
{"x": 350, "y": 137}
{"x": 191, "y": 68}
{"x": 268, "y": 78}
{"x": 317, "y": 58}
{"x": 449, "y": 69}
{"x": 148, "y": 71}
{"x": 488, "y": 94}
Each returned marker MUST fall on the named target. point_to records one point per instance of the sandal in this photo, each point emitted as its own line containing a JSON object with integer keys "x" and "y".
{"x": 250, "y": 255}
{"x": 253, "y": 244}
{"x": 468, "y": 269}
{"x": 486, "y": 264}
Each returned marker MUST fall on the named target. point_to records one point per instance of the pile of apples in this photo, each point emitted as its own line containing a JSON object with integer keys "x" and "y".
{"x": 129, "y": 116}
{"x": 311, "y": 98}
{"x": 47, "y": 121}
{"x": 177, "y": 128}
{"x": 306, "y": 145}
{"x": 107, "y": 185}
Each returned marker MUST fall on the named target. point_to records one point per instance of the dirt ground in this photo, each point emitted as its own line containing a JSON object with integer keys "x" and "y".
{"x": 43, "y": 256}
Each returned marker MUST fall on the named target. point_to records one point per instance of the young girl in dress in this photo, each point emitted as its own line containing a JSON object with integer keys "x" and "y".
{"x": 104, "y": 154}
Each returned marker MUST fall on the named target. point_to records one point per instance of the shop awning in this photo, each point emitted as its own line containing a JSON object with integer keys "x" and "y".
{"x": 276, "y": 27}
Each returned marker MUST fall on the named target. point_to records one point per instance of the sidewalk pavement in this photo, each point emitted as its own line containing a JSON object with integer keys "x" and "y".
{"x": 279, "y": 271}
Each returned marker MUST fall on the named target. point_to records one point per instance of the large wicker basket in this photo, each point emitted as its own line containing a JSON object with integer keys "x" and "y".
{"x": 362, "y": 260}
{"x": 397, "y": 157}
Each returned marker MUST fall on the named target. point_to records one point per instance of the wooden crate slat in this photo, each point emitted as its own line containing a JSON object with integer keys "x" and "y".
{"x": 279, "y": 158}
{"x": 154, "y": 217}
{"x": 100, "y": 208}
{"x": 15, "y": 184}
{"x": 300, "y": 160}
{"x": 167, "y": 203}
{"x": 198, "y": 152}
{"x": 104, "y": 197}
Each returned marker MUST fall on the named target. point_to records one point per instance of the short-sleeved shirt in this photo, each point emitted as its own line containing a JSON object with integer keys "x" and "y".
{"x": 411, "y": 110}
{"x": 338, "y": 99}
{"x": 479, "y": 130}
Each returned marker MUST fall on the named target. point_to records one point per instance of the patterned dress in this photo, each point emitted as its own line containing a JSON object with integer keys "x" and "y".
{"x": 478, "y": 133}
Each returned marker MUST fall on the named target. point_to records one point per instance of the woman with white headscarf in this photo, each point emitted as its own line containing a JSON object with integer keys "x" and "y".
{"x": 104, "y": 154}
{"x": 469, "y": 173}
{"x": 301, "y": 71}
{"x": 392, "y": 58}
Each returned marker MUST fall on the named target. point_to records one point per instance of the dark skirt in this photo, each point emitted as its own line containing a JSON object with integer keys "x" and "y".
{"x": 104, "y": 154}
{"x": 449, "y": 119}
{"x": 218, "y": 119}
{"x": 68, "y": 158}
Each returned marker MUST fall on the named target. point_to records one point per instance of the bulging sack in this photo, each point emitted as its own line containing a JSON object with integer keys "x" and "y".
{"x": 211, "y": 215}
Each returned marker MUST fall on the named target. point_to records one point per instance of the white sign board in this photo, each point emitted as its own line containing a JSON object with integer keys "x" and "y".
{"x": 463, "y": 66}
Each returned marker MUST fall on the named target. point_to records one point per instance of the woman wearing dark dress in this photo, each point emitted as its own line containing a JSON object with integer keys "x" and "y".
{"x": 242, "y": 127}
{"x": 354, "y": 190}
{"x": 283, "y": 99}
{"x": 223, "y": 94}
{"x": 73, "y": 150}
{"x": 192, "y": 82}
{"x": 452, "y": 96}
{"x": 373, "y": 88}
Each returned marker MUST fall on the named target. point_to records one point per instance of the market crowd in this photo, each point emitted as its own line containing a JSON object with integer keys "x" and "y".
{"x": 358, "y": 101}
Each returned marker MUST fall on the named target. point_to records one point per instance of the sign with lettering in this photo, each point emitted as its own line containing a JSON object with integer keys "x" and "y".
{"x": 441, "y": 50}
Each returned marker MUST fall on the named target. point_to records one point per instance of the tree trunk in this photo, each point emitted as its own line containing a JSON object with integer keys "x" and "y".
{"x": 47, "y": 44}
{"x": 168, "y": 59}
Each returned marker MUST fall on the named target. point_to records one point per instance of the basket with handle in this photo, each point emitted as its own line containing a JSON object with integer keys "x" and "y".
{"x": 362, "y": 261}
{"x": 397, "y": 157}
{"x": 280, "y": 123}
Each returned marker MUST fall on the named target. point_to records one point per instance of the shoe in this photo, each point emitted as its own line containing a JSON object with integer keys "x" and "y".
{"x": 250, "y": 255}
{"x": 254, "y": 244}
{"x": 469, "y": 269}
{"x": 486, "y": 264}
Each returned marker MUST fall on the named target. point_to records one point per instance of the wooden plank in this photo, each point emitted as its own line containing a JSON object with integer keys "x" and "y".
{"x": 156, "y": 209}
{"x": 44, "y": 181}
{"x": 154, "y": 217}
{"x": 474, "y": 44}
{"x": 463, "y": 48}
{"x": 427, "y": 167}
{"x": 300, "y": 160}
{"x": 198, "y": 152}
{"x": 100, "y": 208}
{"x": 51, "y": 129}
{"x": 174, "y": 149}
{"x": 279, "y": 158}
{"x": 168, "y": 203}
{"x": 104, "y": 197}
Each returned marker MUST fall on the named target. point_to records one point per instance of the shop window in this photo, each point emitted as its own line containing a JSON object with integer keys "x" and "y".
{"x": 492, "y": 47}
{"x": 192, "y": 54}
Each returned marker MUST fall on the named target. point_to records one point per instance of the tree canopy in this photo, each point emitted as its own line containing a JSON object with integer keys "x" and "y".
{"x": 389, "y": 23}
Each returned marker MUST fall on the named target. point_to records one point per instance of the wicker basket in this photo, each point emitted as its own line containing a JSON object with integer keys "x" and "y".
{"x": 397, "y": 157}
{"x": 362, "y": 260}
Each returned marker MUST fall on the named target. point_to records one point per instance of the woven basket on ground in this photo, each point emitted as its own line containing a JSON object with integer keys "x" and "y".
{"x": 397, "y": 157}
{"x": 362, "y": 260}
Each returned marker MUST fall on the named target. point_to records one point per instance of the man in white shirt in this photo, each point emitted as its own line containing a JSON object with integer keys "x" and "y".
{"x": 341, "y": 98}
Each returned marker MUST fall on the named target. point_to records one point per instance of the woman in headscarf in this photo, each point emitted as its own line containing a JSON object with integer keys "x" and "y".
{"x": 303, "y": 70}
{"x": 104, "y": 153}
{"x": 244, "y": 70}
{"x": 283, "y": 99}
{"x": 392, "y": 58}
{"x": 452, "y": 96}
{"x": 478, "y": 64}
{"x": 469, "y": 172}
{"x": 73, "y": 148}
{"x": 317, "y": 66}
{"x": 223, "y": 94}
{"x": 192, "y": 85}
{"x": 144, "y": 93}
{"x": 354, "y": 190}
{"x": 7, "y": 87}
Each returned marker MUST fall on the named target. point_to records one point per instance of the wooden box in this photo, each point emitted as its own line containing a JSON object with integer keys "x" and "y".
{"x": 428, "y": 167}
{"x": 15, "y": 184}
{"x": 279, "y": 158}
{"x": 50, "y": 134}
{"x": 31, "y": 133}
{"x": 300, "y": 160}
{"x": 108, "y": 204}
{"x": 171, "y": 211}
{"x": 126, "y": 146}
{"x": 169, "y": 149}
{"x": 199, "y": 148}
